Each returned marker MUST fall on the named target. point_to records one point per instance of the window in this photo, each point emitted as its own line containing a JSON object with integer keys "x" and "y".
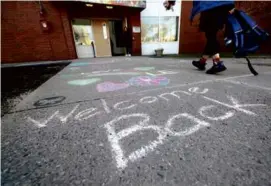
{"x": 159, "y": 29}
{"x": 168, "y": 29}
{"x": 150, "y": 29}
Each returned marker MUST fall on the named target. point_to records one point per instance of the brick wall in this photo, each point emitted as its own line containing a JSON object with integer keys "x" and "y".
{"x": 23, "y": 39}
{"x": 193, "y": 41}
{"x": 79, "y": 10}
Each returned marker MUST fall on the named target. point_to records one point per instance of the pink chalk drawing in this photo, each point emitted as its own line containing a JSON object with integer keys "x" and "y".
{"x": 148, "y": 81}
{"x": 111, "y": 86}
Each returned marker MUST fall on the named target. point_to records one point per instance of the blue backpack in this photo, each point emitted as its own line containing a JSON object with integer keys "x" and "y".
{"x": 244, "y": 35}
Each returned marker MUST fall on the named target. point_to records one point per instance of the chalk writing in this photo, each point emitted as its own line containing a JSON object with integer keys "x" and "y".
{"x": 188, "y": 131}
{"x": 144, "y": 122}
{"x": 144, "y": 68}
{"x": 56, "y": 114}
{"x": 115, "y": 137}
{"x": 196, "y": 90}
{"x": 148, "y": 99}
{"x": 106, "y": 108}
{"x": 117, "y": 105}
{"x": 161, "y": 72}
{"x": 174, "y": 94}
{"x": 204, "y": 109}
{"x": 236, "y": 106}
{"x": 86, "y": 114}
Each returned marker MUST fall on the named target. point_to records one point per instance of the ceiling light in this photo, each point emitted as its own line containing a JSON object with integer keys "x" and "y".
{"x": 89, "y": 5}
{"x": 109, "y": 7}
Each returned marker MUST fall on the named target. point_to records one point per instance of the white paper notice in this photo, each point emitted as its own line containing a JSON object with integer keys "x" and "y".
{"x": 136, "y": 29}
{"x": 104, "y": 31}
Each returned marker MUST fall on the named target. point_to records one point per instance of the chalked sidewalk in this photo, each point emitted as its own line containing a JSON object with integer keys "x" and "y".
{"x": 141, "y": 121}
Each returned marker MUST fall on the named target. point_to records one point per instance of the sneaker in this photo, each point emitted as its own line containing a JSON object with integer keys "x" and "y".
{"x": 199, "y": 65}
{"x": 219, "y": 67}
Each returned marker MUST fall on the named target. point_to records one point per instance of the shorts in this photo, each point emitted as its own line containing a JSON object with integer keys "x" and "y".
{"x": 214, "y": 19}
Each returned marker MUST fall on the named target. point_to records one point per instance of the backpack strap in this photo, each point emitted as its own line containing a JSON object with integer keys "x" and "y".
{"x": 252, "y": 70}
{"x": 235, "y": 35}
{"x": 252, "y": 25}
{"x": 235, "y": 32}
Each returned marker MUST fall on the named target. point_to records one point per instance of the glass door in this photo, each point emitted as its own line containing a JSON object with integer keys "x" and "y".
{"x": 83, "y": 38}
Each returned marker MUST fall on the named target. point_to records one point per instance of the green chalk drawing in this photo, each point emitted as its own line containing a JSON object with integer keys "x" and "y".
{"x": 83, "y": 82}
{"x": 78, "y": 64}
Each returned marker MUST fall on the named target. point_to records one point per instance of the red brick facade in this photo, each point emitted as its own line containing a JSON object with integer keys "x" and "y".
{"x": 24, "y": 40}
{"x": 193, "y": 41}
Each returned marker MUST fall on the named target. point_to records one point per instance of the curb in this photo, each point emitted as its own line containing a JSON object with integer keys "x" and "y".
{"x": 39, "y": 63}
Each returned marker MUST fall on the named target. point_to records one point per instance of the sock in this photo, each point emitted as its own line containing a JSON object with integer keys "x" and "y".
{"x": 202, "y": 60}
{"x": 216, "y": 61}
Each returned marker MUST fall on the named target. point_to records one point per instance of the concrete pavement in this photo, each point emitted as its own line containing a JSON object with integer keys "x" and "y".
{"x": 142, "y": 121}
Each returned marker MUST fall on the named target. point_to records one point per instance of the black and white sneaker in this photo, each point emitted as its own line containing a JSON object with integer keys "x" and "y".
{"x": 218, "y": 67}
{"x": 199, "y": 65}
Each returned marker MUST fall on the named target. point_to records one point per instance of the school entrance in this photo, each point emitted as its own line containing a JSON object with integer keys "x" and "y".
{"x": 98, "y": 37}
{"x": 97, "y": 28}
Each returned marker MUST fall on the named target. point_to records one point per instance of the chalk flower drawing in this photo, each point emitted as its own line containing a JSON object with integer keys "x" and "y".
{"x": 148, "y": 81}
{"x": 111, "y": 86}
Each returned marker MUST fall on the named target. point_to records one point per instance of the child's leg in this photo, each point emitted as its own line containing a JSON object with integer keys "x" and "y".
{"x": 211, "y": 48}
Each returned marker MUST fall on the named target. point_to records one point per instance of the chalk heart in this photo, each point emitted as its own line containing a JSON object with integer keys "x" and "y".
{"x": 111, "y": 86}
{"x": 83, "y": 82}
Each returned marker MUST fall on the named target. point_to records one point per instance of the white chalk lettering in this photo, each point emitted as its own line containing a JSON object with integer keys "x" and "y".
{"x": 114, "y": 138}
{"x": 86, "y": 114}
{"x": 116, "y": 106}
{"x": 203, "y": 109}
{"x": 106, "y": 108}
{"x": 64, "y": 119}
{"x": 161, "y": 72}
{"x": 200, "y": 124}
{"x": 56, "y": 114}
{"x": 41, "y": 124}
{"x": 196, "y": 90}
{"x": 173, "y": 93}
{"x": 236, "y": 105}
{"x": 148, "y": 99}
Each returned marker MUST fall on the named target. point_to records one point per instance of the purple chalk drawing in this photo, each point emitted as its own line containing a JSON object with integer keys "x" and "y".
{"x": 111, "y": 86}
{"x": 148, "y": 81}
